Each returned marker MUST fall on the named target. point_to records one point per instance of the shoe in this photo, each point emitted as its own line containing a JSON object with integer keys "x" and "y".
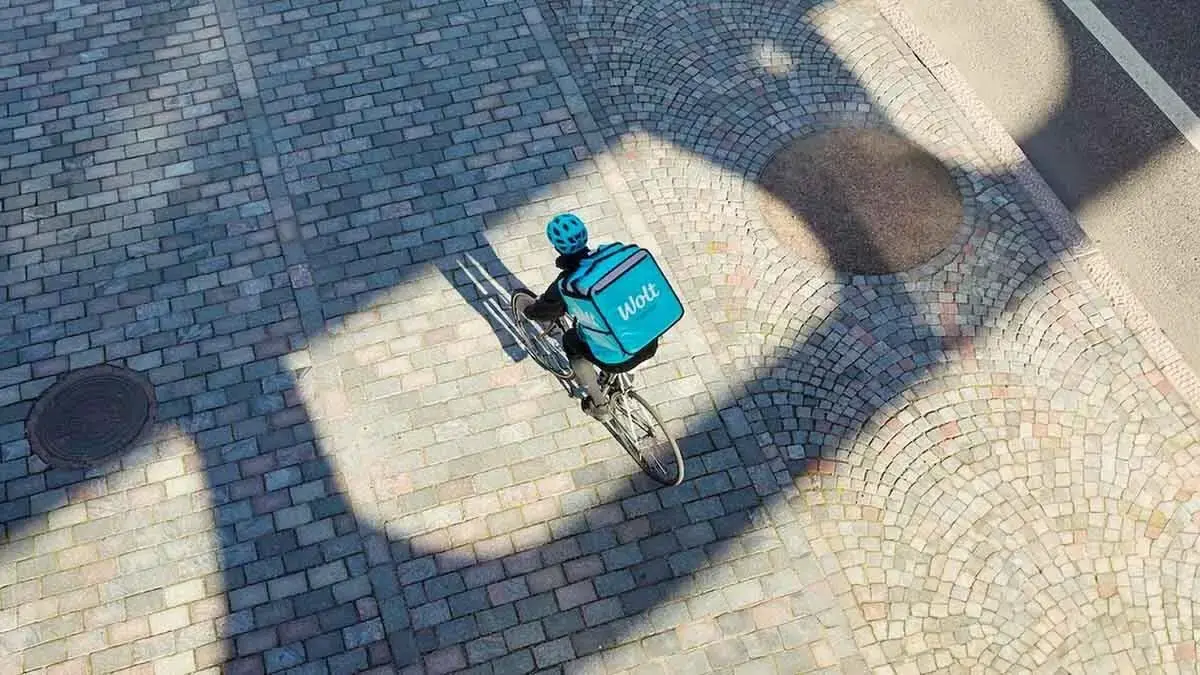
{"x": 600, "y": 412}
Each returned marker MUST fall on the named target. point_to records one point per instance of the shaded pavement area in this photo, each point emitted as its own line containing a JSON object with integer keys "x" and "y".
{"x": 300, "y": 221}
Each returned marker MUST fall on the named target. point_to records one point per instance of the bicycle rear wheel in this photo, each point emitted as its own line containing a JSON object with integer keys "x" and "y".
{"x": 542, "y": 342}
{"x": 638, "y": 428}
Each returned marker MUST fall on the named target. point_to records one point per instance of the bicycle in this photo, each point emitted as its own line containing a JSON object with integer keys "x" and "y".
{"x": 635, "y": 424}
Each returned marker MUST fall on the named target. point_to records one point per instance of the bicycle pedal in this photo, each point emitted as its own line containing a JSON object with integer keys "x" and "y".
{"x": 603, "y": 413}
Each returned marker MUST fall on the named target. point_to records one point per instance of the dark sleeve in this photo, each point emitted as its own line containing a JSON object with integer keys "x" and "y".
{"x": 549, "y": 306}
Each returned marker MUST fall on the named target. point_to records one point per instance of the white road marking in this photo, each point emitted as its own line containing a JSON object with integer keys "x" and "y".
{"x": 1138, "y": 68}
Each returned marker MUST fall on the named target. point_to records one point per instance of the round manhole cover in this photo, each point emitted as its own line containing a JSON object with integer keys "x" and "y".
{"x": 863, "y": 201}
{"x": 90, "y": 415}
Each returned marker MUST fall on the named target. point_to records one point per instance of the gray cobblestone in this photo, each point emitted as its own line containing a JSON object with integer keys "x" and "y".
{"x": 364, "y": 633}
{"x": 430, "y": 614}
{"x": 515, "y": 662}
{"x": 524, "y": 635}
{"x": 507, "y": 591}
{"x": 497, "y": 619}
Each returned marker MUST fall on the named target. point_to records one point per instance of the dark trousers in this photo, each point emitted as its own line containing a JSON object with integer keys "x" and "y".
{"x": 584, "y": 363}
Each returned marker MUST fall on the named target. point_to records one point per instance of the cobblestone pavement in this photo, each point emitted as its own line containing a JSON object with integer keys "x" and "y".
{"x": 300, "y": 218}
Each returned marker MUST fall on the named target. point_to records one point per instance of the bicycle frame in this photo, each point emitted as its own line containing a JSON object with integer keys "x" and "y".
{"x": 633, "y": 419}
{"x": 615, "y": 382}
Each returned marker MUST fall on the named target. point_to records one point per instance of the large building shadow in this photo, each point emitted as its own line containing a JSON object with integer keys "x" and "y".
{"x": 1092, "y": 159}
{"x": 386, "y": 171}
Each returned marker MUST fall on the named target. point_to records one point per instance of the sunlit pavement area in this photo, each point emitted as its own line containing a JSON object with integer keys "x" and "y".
{"x": 300, "y": 221}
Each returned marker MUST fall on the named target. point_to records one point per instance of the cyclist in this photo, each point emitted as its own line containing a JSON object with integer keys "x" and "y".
{"x": 569, "y": 237}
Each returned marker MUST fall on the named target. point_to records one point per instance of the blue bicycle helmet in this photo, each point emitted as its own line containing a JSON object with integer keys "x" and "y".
{"x": 567, "y": 233}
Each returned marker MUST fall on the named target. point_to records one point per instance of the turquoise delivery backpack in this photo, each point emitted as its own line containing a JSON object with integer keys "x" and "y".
{"x": 621, "y": 301}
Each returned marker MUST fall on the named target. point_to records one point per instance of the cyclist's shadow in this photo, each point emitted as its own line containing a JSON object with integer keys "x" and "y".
{"x": 486, "y": 283}
{"x": 491, "y": 296}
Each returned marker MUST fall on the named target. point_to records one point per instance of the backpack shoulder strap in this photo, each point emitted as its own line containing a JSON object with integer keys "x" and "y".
{"x": 588, "y": 264}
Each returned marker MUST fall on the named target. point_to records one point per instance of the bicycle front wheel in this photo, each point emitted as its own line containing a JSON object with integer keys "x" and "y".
{"x": 541, "y": 342}
{"x": 637, "y": 427}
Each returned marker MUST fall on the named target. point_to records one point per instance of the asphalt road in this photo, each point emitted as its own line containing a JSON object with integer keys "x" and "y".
{"x": 1166, "y": 33}
{"x": 1110, "y": 154}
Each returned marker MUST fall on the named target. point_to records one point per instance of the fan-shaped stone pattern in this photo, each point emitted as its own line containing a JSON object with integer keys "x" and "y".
{"x": 986, "y": 460}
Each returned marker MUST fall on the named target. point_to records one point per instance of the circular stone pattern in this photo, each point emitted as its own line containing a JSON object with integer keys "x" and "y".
{"x": 89, "y": 416}
{"x": 863, "y": 201}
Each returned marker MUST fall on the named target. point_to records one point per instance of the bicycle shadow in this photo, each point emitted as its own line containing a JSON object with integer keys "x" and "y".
{"x": 488, "y": 286}
{"x": 496, "y": 299}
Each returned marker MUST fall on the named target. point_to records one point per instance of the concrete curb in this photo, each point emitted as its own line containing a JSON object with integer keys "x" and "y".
{"x": 1125, "y": 303}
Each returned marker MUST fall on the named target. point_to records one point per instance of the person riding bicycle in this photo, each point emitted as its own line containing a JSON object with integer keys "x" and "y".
{"x": 569, "y": 236}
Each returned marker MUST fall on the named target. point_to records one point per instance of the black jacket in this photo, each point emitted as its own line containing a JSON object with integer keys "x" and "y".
{"x": 550, "y": 305}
